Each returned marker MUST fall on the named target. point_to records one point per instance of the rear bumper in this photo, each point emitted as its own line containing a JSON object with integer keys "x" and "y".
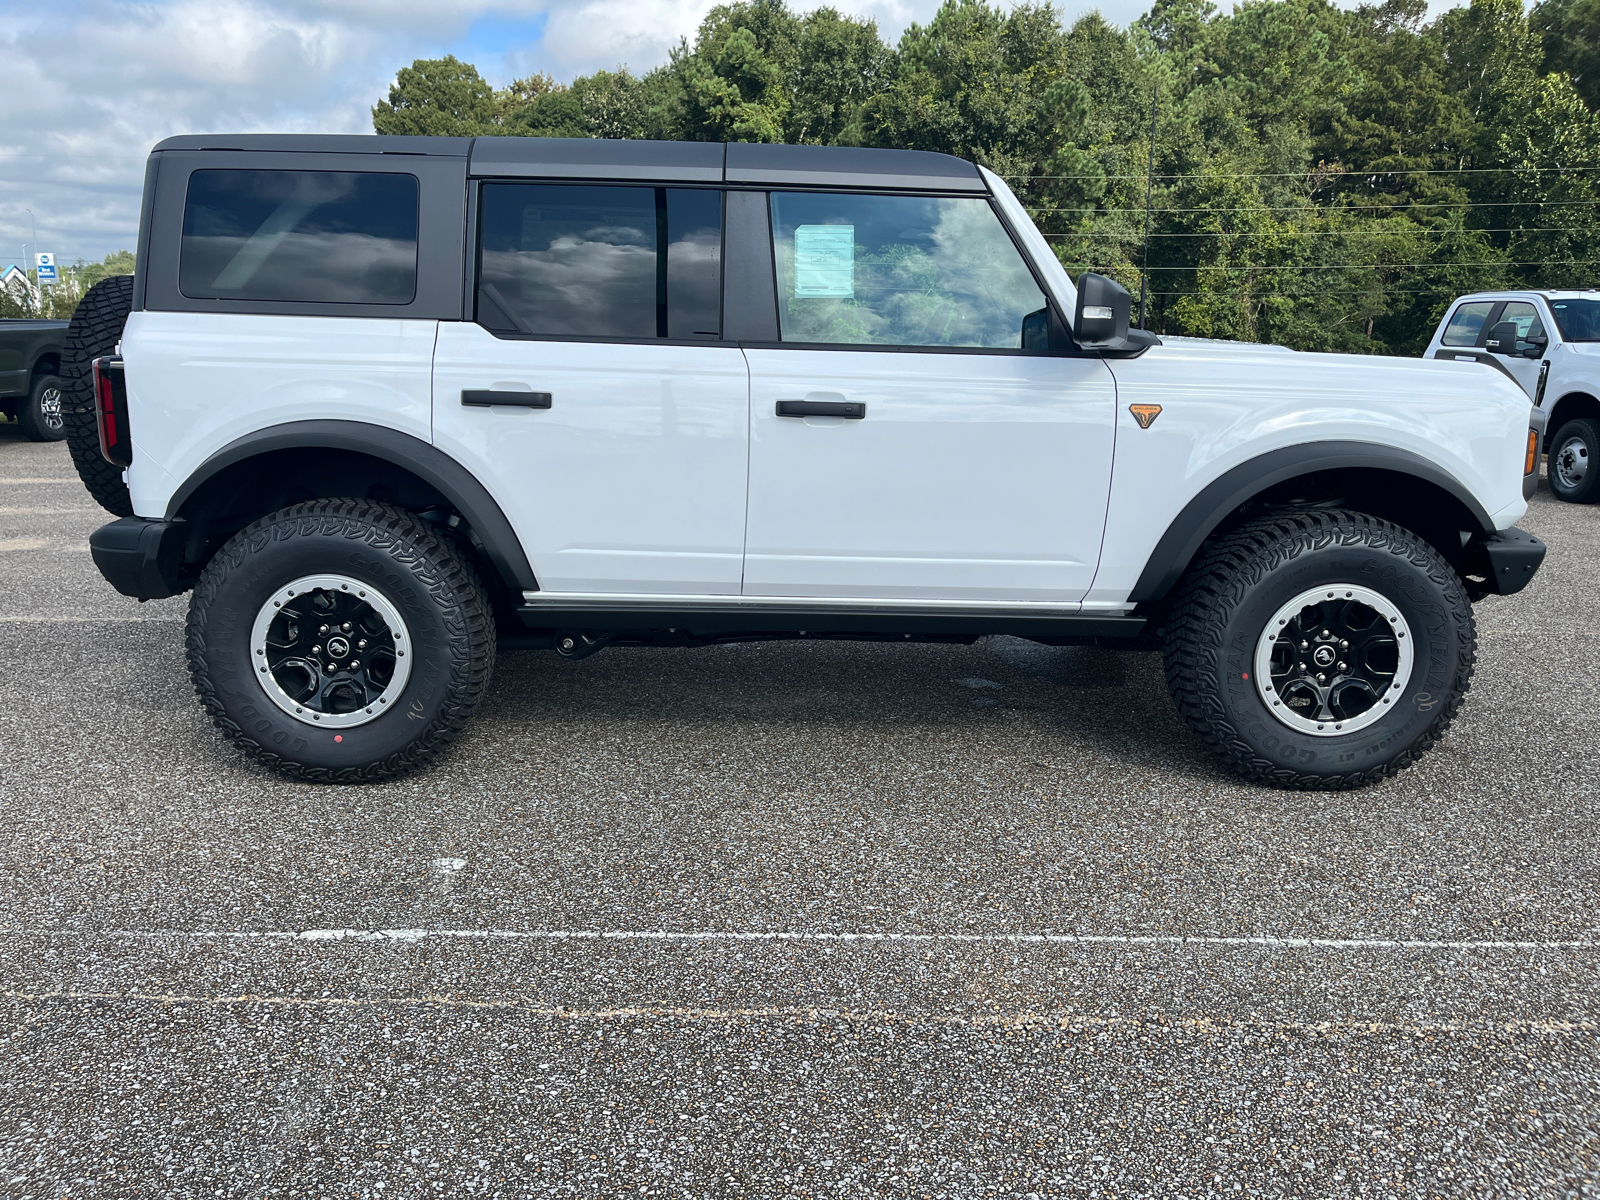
{"x": 141, "y": 558}
{"x": 1506, "y": 560}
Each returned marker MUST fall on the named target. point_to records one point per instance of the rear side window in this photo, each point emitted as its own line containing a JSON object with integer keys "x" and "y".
{"x": 596, "y": 261}
{"x": 1468, "y": 321}
{"x": 339, "y": 237}
{"x": 899, "y": 271}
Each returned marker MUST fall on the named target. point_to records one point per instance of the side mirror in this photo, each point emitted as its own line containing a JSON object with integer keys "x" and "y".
{"x": 1502, "y": 339}
{"x": 1103, "y": 318}
{"x": 1104, "y": 311}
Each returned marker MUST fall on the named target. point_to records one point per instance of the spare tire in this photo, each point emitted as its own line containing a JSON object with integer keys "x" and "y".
{"x": 95, "y": 331}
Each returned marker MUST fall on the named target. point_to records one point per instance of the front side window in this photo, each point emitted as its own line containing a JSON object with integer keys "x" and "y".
{"x": 340, "y": 237}
{"x": 1526, "y": 318}
{"x": 898, "y": 271}
{"x": 596, "y": 261}
{"x": 1578, "y": 320}
{"x": 1468, "y": 321}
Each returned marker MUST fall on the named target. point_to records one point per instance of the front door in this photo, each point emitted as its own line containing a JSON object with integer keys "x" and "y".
{"x": 593, "y": 397}
{"x": 1530, "y": 329}
{"x": 904, "y": 443}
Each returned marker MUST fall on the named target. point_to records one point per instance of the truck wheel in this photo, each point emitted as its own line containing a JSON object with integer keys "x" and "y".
{"x": 341, "y": 640}
{"x": 40, "y": 414}
{"x": 1322, "y": 650}
{"x": 95, "y": 330}
{"x": 1574, "y": 468}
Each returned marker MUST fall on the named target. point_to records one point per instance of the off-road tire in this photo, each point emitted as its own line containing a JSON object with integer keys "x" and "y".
{"x": 436, "y": 590}
{"x": 1587, "y": 490}
{"x": 31, "y": 414}
{"x": 1225, "y": 601}
{"x": 95, "y": 330}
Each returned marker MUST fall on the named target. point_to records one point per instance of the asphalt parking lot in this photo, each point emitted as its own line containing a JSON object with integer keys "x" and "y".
{"x": 786, "y": 920}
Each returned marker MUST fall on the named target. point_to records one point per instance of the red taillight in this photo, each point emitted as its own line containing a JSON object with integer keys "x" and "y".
{"x": 111, "y": 412}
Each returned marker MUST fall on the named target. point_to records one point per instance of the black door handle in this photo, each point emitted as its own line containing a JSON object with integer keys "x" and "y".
{"x": 492, "y": 399}
{"x": 850, "y": 410}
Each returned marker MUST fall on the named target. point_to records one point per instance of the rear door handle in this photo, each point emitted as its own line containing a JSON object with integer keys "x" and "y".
{"x": 509, "y": 399}
{"x": 850, "y": 410}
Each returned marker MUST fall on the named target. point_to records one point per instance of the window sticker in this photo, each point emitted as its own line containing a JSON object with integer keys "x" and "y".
{"x": 825, "y": 260}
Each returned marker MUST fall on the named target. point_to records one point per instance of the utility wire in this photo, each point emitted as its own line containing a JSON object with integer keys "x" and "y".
{"x": 1371, "y": 171}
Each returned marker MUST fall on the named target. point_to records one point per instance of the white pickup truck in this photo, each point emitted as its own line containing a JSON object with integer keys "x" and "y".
{"x": 1549, "y": 343}
{"x": 381, "y": 402}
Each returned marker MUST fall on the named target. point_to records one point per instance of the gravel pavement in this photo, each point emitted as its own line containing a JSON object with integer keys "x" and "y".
{"x": 786, "y": 920}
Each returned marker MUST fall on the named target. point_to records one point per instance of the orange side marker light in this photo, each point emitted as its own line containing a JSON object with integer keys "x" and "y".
{"x": 1532, "y": 463}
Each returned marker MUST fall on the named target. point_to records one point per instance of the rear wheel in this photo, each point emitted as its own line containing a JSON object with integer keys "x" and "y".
{"x": 1322, "y": 650}
{"x": 1574, "y": 467}
{"x": 341, "y": 640}
{"x": 40, "y": 414}
{"x": 95, "y": 330}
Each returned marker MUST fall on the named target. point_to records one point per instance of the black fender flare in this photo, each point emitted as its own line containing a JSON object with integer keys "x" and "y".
{"x": 427, "y": 462}
{"x": 1208, "y": 508}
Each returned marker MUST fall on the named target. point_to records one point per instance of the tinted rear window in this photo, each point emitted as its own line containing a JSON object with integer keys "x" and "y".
{"x": 601, "y": 261}
{"x": 1467, "y": 322}
{"x": 338, "y": 237}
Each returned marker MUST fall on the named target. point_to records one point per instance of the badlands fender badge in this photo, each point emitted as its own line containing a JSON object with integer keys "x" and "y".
{"x": 1145, "y": 414}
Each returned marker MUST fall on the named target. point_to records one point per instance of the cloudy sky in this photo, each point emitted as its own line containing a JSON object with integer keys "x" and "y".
{"x": 90, "y": 85}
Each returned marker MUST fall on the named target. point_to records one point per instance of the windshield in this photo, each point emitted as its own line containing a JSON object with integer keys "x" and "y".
{"x": 1578, "y": 320}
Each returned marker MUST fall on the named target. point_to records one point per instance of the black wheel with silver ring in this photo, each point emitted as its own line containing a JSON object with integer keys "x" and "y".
{"x": 1319, "y": 649}
{"x": 1333, "y": 659}
{"x": 340, "y": 640}
{"x": 331, "y": 650}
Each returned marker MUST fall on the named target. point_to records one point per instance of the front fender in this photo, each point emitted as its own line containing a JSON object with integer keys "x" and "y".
{"x": 1236, "y": 419}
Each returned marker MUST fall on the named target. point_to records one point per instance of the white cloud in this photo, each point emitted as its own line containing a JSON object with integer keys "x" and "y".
{"x": 92, "y": 84}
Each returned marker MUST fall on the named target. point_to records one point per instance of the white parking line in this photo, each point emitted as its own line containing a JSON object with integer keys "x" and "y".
{"x": 669, "y": 935}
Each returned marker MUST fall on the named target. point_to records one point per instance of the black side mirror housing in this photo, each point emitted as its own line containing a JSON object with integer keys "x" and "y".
{"x": 1502, "y": 339}
{"x": 1104, "y": 316}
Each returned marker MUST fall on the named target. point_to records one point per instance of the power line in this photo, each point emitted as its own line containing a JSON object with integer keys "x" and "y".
{"x": 1311, "y": 233}
{"x": 1548, "y": 262}
{"x": 1201, "y": 178}
{"x": 1352, "y": 210}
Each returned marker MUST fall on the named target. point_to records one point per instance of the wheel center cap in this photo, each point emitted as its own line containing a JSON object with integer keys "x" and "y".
{"x": 339, "y": 647}
{"x": 1324, "y": 656}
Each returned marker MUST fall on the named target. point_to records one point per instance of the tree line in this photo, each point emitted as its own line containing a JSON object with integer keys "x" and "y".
{"x": 1322, "y": 178}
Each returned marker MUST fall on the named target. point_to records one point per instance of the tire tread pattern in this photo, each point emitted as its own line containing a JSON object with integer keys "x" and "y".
{"x": 407, "y": 541}
{"x": 95, "y": 330}
{"x": 1231, "y": 564}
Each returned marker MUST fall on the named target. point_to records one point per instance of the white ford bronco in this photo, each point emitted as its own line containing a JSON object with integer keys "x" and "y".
{"x": 1549, "y": 342}
{"x": 382, "y": 402}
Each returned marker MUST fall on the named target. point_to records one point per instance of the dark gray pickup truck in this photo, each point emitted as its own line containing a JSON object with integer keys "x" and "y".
{"x": 30, "y": 361}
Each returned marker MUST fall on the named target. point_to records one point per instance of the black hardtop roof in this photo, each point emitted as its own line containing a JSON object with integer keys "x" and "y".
{"x": 595, "y": 158}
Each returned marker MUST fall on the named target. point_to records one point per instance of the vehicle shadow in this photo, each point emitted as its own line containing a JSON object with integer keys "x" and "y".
{"x": 1109, "y": 703}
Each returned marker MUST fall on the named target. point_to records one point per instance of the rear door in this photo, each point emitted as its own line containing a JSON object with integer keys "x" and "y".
{"x": 593, "y": 395}
{"x": 905, "y": 442}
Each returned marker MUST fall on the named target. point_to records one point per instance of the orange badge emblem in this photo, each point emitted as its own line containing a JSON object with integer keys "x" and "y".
{"x": 1145, "y": 414}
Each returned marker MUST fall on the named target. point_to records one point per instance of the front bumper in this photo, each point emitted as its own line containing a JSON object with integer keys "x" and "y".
{"x": 1506, "y": 561}
{"x": 140, "y": 557}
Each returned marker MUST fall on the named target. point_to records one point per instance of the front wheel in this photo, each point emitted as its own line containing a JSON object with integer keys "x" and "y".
{"x": 1574, "y": 468}
{"x": 40, "y": 414}
{"x": 341, "y": 641}
{"x": 1322, "y": 650}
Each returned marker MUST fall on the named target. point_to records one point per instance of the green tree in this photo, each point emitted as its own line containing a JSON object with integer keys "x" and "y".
{"x": 439, "y": 97}
{"x": 1569, "y": 31}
